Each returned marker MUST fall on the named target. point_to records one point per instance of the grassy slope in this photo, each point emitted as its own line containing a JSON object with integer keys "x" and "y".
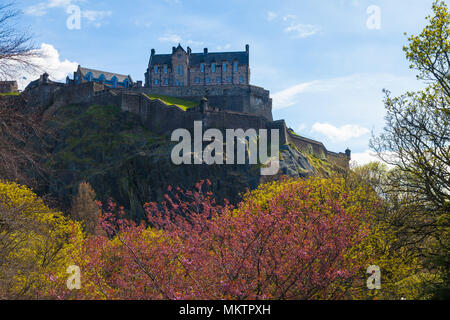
{"x": 181, "y": 103}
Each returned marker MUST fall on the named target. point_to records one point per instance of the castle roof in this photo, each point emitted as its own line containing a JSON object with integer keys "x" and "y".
{"x": 108, "y": 75}
{"x": 209, "y": 57}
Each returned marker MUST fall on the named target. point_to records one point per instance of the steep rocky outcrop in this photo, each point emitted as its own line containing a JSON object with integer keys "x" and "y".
{"x": 123, "y": 160}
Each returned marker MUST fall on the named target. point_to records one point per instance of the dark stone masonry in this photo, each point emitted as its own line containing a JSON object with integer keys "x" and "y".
{"x": 226, "y": 103}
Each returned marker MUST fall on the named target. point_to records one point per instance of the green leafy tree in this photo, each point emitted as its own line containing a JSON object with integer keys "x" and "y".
{"x": 416, "y": 143}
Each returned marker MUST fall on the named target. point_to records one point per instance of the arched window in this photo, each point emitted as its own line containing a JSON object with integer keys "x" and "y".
{"x": 89, "y": 77}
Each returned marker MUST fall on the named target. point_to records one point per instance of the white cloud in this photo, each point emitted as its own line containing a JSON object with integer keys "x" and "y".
{"x": 302, "y": 30}
{"x": 271, "y": 16}
{"x": 340, "y": 134}
{"x": 225, "y": 47}
{"x": 289, "y": 17}
{"x": 51, "y": 63}
{"x": 41, "y": 8}
{"x": 288, "y": 97}
{"x": 174, "y": 38}
{"x": 194, "y": 43}
{"x": 92, "y": 16}
{"x": 365, "y": 157}
{"x": 361, "y": 89}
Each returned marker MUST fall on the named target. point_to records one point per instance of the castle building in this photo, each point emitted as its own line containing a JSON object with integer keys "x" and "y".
{"x": 8, "y": 86}
{"x": 182, "y": 68}
{"x": 112, "y": 80}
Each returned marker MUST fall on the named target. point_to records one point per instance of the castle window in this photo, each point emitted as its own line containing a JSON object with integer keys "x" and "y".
{"x": 156, "y": 81}
{"x": 180, "y": 69}
{"x": 208, "y": 80}
{"x": 156, "y": 69}
{"x": 219, "y": 79}
{"x": 230, "y": 79}
{"x": 177, "y": 83}
{"x": 181, "y": 83}
{"x": 213, "y": 67}
{"x": 166, "y": 81}
{"x": 235, "y": 66}
{"x": 224, "y": 67}
{"x": 241, "y": 79}
{"x": 197, "y": 80}
{"x": 202, "y": 67}
{"x": 165, "y": 69}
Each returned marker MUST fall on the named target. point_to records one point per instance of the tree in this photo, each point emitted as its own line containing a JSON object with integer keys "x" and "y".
{"x": 23, "y": 144}
{"x": 85, "y": 208}
{"x": 16, "y": 49}
{"x": 290, "y": 239}
{"x": 36, "y": 244}
{"x": 416, "y": 142}
{"x": 21, "y": 132}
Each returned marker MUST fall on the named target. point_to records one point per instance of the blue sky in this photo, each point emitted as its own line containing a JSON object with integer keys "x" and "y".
{"x": 325, "y": 68}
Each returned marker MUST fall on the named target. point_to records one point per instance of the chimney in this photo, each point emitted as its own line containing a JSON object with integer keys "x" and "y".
{"x": 348, "y": 153}
{"x": 247, "y": 48}
{"x": 45, "y": 78}
{"x": 153, "y": 52}
{"x": 205, "y": 51}
{"x": 174, "y": 49}
{"x": 189, "y": 50}
{"x": 203, "y": 105}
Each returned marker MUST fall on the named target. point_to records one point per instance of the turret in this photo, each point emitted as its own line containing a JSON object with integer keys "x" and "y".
{"x": 348, "y": 153}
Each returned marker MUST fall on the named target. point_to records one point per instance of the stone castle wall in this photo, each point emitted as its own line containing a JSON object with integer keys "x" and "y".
{"x": 163, "y": 119}
{"x": 240, "y": 98}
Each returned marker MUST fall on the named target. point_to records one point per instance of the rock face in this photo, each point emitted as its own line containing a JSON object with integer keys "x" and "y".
{"x": 124, "y": 161}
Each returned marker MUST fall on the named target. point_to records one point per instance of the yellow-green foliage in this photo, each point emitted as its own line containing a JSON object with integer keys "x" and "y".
{"x": 36, "y": 242}
{"x": 400, "y": 273}
{"x": 181, "y": 103}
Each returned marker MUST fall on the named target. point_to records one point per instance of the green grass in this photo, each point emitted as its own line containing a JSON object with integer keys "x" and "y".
{"x": 294, "y": 133}
{"x": 10, "y": 94}
{"x": 181, "y": 103}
